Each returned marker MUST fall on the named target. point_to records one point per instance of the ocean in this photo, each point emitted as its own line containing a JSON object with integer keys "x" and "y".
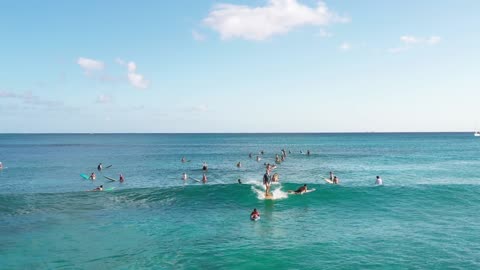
{"x": 425, "y": 216}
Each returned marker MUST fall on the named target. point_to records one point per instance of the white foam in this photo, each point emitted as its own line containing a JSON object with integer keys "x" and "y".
{"x": 276, "y": 193}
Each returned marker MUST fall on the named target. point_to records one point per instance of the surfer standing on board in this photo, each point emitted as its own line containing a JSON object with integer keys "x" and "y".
{"x": 266, "y": 181}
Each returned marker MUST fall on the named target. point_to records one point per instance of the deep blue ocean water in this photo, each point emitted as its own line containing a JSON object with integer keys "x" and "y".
{"x": 424, "y": 217}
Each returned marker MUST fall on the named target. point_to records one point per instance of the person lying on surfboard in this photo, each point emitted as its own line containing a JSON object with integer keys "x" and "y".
{"x": 255, "y": 214}
{"x": 100, "y": 188}
{"x": 301, "y": 189}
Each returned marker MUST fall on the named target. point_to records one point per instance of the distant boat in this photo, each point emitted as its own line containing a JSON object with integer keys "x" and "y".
{"x": 476, "y": 134}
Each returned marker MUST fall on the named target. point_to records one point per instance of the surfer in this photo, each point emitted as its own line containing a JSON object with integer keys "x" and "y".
{"x": 255, "y": 214}
{"x": 239, "y": 181}
{"x": 266, "y": 181}
{"x": 204, "y": 178}
{"x": 331, "y": 176}
{"x": 301, "y": 189}
{"x": 92, "y": 176}
{"x": 239, "y": 164}
{"x": 336, "y": 180}
{"x": 1, "y": 165}
{"x": 99, "y": 188}
{"x": 184, "y": 160}
{"x": 258, "y": 158}
{"x": 308, "y": 152}
{"x": 250, "y": 155}
{"x": 205, "y": 166}
{"x": 379, "y": 181}
{"x": 100, "y": 167}
{"x": 184, "y": 176}
{"x": 261, "y": 152}
{"x": 121, "y": 179}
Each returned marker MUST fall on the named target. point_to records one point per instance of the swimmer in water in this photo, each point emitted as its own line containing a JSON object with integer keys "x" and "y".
{"x": 258, "y": 158}
{"x": 239, "y": 181}
{"x": 379, "y": 181}
{"x": 239, "y": 164}
{"x": 204, "y": 178}
{"x": 121, "y": 178}
{"x": 1, "y": 165}
{"x": 250, "y": 155}
{"x": 205, "y": 166}
{"x": 184, "y": 176}
{"x": 331, "y": 176}
{"x": 92, "y": 176}
{"x": 255, "y": 214}
{"x": 308, "y": 152}
{"x": 184, "y": 160}
{"x": 100, "y": 167}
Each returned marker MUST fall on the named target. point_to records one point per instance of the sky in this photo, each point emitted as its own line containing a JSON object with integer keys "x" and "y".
{"x": 239, "y": 66}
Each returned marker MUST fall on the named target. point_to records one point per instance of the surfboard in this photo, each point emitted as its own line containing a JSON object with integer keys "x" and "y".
{"x": 108, "y": 166}
{"x": 109, "y": 189}
{"x": 328, "y": 180}
{"x": 196, "y": 180}
{"x": 269, "y": 196}
{"x": 84, "y": 176}
{"x": 109, "y": 178}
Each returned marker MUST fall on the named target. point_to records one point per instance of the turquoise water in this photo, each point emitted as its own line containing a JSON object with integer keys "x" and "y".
{"x": 424, "y": 217}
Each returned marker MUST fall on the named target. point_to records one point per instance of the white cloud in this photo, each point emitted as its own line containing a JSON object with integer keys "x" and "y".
{"x": 324, "y": 33}
{"x": 411, "y": 41}
{"x": 345, "y": 46}
{"x": 90, "y": 65}
{"x": 136, "y": 80}
{"x": 198, "y": 36}
{"x": 259, "y": 23}
{"x": 104, "y": 99}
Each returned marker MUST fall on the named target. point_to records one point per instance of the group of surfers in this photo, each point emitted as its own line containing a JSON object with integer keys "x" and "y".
{"x": 92, "y": 177}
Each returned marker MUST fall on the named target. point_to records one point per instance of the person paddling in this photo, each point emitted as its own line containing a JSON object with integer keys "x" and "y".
{"x": 255, "y": 214}
{"x": 301, "y": 189}
{"x": 100, "y": 188}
